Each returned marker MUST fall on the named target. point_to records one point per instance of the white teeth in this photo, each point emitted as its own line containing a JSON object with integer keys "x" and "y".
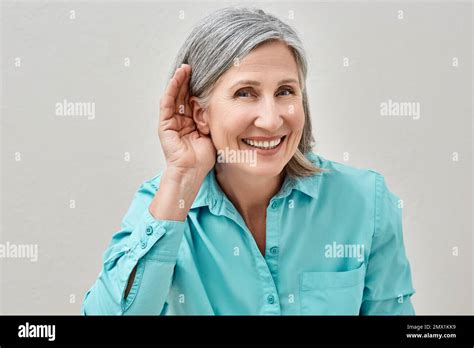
{"x": 263, "y": 144}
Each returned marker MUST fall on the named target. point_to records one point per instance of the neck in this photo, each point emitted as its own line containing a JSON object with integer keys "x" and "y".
{"x": 249, "y": 194}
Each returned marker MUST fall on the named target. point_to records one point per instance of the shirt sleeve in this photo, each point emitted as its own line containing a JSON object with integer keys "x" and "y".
{"x": 388, "y": 281}
{"x": 143, "y": 241}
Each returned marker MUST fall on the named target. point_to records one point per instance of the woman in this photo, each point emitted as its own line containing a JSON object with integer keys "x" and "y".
{"x": 245, "y": 219}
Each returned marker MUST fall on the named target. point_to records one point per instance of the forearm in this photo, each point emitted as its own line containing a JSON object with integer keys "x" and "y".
{"x": 124, "y": 285}
{"x": 176, "y": 194}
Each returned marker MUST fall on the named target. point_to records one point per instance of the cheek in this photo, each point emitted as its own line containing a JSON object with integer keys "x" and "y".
{"x": 295, "y": 118}
{"x": 227, "y": 125}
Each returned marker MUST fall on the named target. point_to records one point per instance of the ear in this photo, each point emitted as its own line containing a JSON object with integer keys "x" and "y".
{"x": 200, "y": 116}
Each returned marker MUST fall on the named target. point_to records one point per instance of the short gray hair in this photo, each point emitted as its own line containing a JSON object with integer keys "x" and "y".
{"x": 228, "y": 35}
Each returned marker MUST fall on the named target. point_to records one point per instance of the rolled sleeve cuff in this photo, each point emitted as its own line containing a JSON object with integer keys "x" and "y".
{"x": 168, "y": 232}
{"x": 396, "y": 306}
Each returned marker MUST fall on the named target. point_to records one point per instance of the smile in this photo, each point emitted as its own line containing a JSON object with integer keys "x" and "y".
{"x": 264, "y": 144}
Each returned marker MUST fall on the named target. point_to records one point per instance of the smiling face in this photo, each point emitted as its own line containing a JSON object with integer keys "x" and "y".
{"x": 257, "y": 106}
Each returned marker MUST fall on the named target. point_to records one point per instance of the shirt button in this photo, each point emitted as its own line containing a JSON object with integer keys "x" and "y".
{"x": 274, "y": 250}
{"x": 274, "y": 204}
{"x": 143, "y": 244}
{"x": 271, "y": 299}
{"x": 149, "y": 230}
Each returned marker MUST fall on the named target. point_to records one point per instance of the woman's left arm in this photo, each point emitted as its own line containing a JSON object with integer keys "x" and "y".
{"x": 388, "y": 281}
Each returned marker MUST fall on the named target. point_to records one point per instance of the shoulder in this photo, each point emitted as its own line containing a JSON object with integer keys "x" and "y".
{"x": 349, "y": 181}
{"x": 345, "y": 174}
{"x": 355, "y": 191}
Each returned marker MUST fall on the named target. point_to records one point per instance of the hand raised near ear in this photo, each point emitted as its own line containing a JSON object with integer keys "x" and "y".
{"x": 185, "y": 149}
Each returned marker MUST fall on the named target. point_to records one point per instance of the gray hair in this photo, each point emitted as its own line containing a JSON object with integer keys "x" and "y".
{"x": 226, "y": 36}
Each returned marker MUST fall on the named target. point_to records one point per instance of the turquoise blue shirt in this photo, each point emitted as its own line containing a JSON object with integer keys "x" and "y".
{"x": 334, "y": 245}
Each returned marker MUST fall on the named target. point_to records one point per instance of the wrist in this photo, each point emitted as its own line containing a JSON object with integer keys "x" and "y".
{"x": 185, "y": 177}
{"x": 176, "y": 193}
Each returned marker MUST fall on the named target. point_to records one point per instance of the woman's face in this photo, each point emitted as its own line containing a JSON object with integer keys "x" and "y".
{"x": 256, "y": 113}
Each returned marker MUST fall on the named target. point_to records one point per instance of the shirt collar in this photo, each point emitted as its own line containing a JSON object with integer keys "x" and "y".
{"x": 210, "y": 194}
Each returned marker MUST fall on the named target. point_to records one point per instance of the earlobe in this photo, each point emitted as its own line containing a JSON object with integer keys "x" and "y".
{"x": 199, "y": 116}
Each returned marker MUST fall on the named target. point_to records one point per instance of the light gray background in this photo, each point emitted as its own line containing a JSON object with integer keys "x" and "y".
{"x": 64, "y": 158}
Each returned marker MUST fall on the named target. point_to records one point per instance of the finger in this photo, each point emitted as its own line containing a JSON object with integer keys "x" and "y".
{"x": 184, "y": 88}
{"x": 167, "y": 101}
{"x": 188, "y": 110}
{"x": 187, "y": 130}
{"x": 172, "y": 89}
{"x": 187, "y": 121}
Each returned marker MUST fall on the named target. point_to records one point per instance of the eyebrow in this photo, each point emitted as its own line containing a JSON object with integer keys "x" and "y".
{"x": 256, "y": 83}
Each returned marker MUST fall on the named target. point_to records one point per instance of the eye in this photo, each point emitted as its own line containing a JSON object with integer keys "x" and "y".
{"x": 244, "y": 93}
{"x": 287, "y": 91}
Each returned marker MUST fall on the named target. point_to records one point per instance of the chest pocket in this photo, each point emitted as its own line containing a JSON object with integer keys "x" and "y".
{"x": 332, "y": 293}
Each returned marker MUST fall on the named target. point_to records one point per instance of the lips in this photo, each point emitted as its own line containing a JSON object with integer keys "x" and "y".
{"x": 264, "y": 143}
{"x": 265, "y": 146}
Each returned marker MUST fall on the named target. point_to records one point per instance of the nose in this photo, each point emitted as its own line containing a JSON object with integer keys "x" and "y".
{"x": 268, "y": 115}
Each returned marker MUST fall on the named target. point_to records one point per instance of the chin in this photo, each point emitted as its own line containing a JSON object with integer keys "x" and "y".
{"x": 263, "y": 170}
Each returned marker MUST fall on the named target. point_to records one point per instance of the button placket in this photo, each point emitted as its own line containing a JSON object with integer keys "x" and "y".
{"x": 274, "y": 250}
{"x": 268, "y": 282}
{"x": 271, "y": 257}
